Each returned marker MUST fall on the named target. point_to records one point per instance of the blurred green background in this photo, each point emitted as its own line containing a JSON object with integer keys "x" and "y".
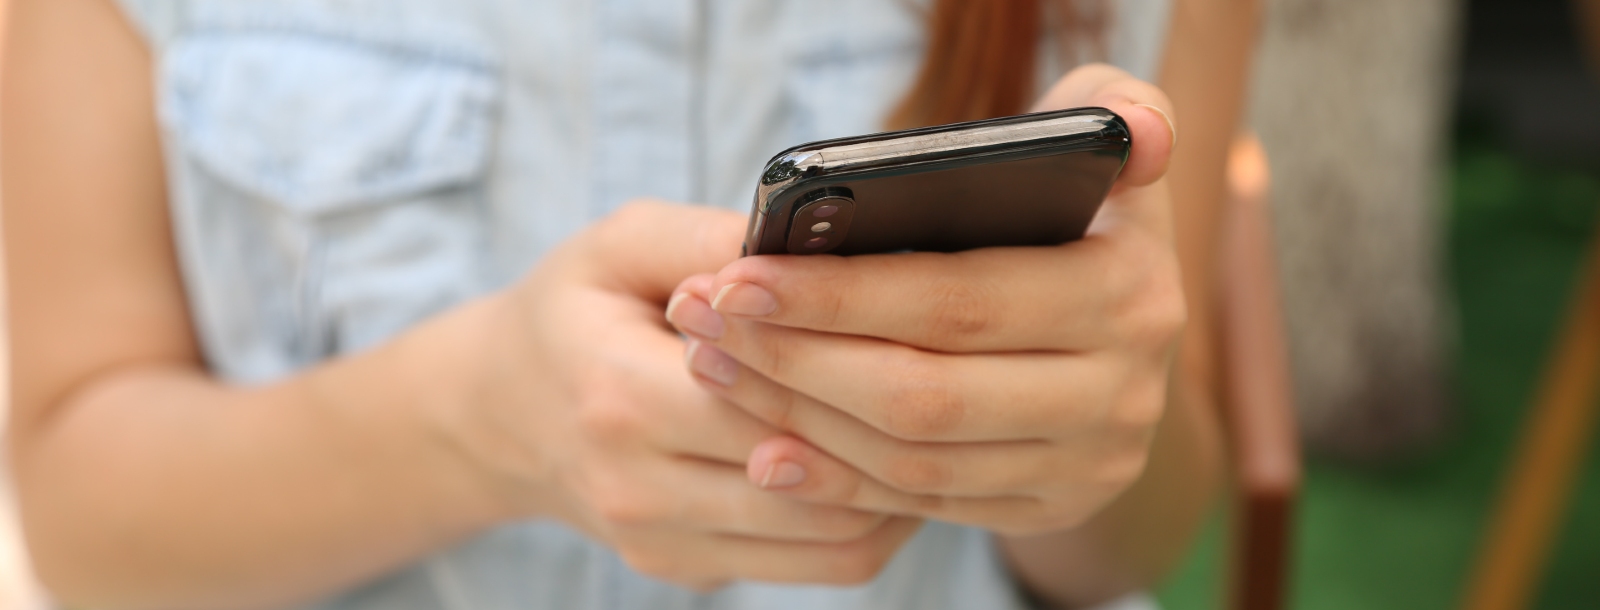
{"x": 1403, "y": 535}
{"x": 1523, "y": 198}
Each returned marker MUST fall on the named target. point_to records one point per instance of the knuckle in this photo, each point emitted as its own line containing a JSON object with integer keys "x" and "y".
{"x": 922, "y": 402}
{"x": 916, "y": 474}
{"x": 634, "y": 210}
{"x": 1153, "y": 309}
{"x": 610, "y": 421}
{"x": 830, "y": 304}
{"x": 1168, "y": 313}
{"x": 614, "y": 226}
{"x": 624, "y": 509}
{"x": 1122, "y": 469}
{"x": 783, "y": 410}
{"x": 958, "y": 310}
{"x": 846, "y": 491}
{"x": 608, "y": 408}
{"x": 768, "y": 353}
{"x": 1144, "y": 405}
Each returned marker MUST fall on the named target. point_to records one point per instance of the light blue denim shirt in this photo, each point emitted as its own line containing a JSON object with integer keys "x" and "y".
{"x": 341, "y": 169}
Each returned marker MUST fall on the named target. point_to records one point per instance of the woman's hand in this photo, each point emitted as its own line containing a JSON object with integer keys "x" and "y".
{"x": 1016, "y": 389}
{"x": 147, "y": 481}
{"x": 588, "y": 417}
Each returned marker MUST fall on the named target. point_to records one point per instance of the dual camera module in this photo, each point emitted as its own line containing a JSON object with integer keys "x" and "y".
{"x": 822, "y": 220}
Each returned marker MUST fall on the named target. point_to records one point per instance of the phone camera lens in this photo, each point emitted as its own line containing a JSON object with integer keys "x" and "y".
{"x": 808, "y": 233}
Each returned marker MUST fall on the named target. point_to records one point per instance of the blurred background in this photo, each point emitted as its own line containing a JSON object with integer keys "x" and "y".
{"x": 1436, "y": 186}
{"x": 1398, "y": 516}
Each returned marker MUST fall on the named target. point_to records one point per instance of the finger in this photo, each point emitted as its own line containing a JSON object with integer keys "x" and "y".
{"x": 913, "y": 394}
{"x": 1138, "y": 200}
{"x": 1143, "y": 106}
{"x": 986, "y": 300}
{"x": 678, "y": 416}
{"x": 796, "y": 468}
{"x": 647, "y": 247}
{"x": 854, "y": 562}
{"x": 699, "y": 285}
{"x": 708, "y": 561}
{"x": 712, "y": 429}
{"x": 965, "y": 469}
{"x": 714, "y": 497}
{"x": 837, "y": 484}
{"x": 1078, "y": 85}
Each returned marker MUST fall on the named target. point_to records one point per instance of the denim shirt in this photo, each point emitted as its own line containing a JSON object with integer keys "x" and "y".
{"x": 340, "y": 170}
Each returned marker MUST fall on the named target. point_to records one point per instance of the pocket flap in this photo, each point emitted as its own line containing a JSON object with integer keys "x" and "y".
{"x": 320, "y": 123}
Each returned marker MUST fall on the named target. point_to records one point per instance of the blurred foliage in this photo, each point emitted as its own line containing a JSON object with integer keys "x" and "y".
{"x": 1403, "y": 534}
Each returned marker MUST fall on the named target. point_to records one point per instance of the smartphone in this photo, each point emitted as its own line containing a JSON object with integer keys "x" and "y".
{"x": 1029, "y": 180}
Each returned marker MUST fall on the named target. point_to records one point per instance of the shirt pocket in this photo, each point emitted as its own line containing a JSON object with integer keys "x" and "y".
{"x": 330, "y": 183}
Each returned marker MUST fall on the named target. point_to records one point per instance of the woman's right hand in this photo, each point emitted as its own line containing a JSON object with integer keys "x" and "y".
{"x": 583, "y": 412}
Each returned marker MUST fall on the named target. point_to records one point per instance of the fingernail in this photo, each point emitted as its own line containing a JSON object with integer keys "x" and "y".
{"x": 1171, "y": 127}
{"x": 694, "y": 316}
{"x": 672, "y": 305}
{"x": 711, "y": 363}
{"x": 745, "y": 299}
{"x": 783, "y": 474}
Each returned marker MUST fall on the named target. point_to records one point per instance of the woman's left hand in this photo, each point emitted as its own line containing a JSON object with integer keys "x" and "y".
{"x": 1016, "y": 389}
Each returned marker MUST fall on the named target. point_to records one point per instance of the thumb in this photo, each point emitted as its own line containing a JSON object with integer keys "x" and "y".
{"x": 647, "y": 247}
{"x": 1143, "y": 106}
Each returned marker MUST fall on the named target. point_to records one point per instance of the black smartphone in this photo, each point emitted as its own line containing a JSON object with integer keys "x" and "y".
{"x": 1029, "y": 180}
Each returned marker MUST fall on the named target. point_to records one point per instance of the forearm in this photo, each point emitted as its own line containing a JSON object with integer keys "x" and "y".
{"x": 1135, "y": 541}
{"x": 156, "y": 486}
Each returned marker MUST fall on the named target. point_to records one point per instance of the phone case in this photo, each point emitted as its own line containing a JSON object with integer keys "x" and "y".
{"x": 1029, "y": 180}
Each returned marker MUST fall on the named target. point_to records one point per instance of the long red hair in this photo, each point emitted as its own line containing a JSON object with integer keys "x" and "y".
{"x": 982, "y": 58}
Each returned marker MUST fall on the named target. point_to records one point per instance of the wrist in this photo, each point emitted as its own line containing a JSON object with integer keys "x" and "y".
{"x": 453, "y": 370}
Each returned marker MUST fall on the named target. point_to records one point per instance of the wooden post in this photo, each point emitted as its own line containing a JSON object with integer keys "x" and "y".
{"x": 1258, "y": 396}
{"x": 1560, "y": 428}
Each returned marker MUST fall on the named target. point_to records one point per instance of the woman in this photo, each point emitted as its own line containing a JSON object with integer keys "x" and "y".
{"x": 340, "y": 301}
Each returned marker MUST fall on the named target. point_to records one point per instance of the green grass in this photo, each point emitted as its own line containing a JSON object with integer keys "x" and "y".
{"x": 1403, "y": 536}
